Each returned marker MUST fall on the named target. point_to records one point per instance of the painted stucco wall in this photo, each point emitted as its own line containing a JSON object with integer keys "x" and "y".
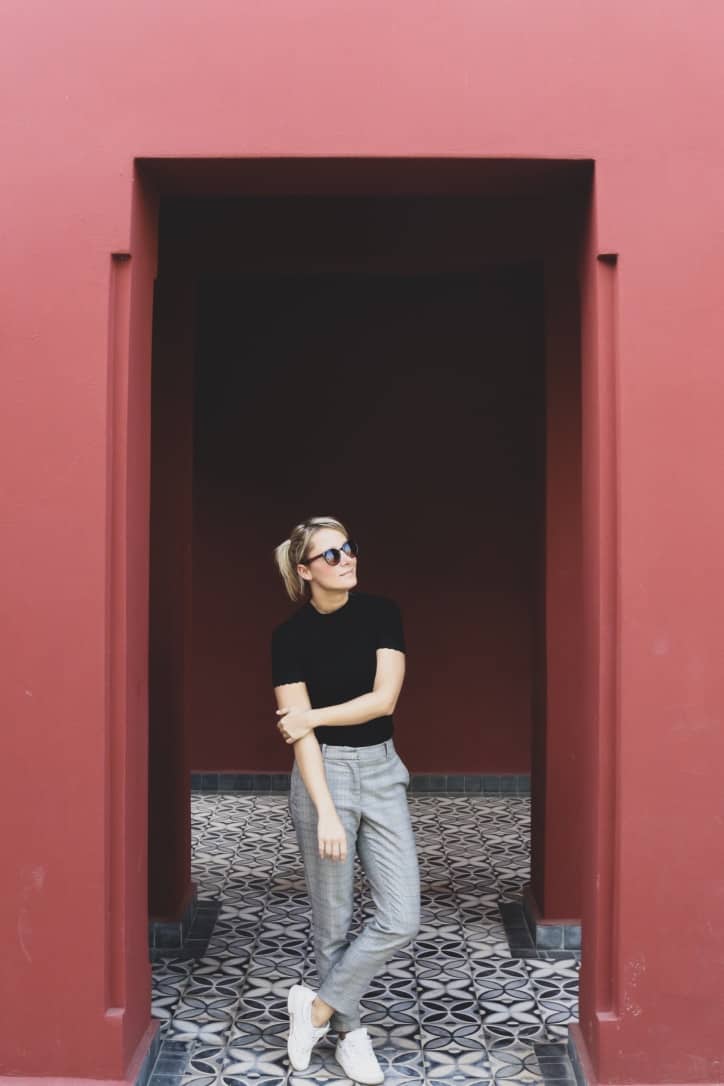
{"x": 85, "y": 89}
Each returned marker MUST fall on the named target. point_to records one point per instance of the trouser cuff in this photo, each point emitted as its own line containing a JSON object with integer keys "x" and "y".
{"x": 344, "y": 1019}
{"x": 341, "y": 1023}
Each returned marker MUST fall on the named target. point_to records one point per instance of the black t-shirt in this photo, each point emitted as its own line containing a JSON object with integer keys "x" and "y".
{"x": 336, "y": 656}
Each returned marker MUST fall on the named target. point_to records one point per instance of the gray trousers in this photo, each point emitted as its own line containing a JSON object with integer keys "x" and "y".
{"x": 369, "y": 789}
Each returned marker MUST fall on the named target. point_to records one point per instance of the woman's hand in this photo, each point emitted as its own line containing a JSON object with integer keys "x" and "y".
{"x": 331, "y": 838}
{"x": 295, "y": 723}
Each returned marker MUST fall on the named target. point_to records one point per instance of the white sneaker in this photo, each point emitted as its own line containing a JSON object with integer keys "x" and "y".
{"x": 303, "y": 1036}
{"x": 354, "y": 1052}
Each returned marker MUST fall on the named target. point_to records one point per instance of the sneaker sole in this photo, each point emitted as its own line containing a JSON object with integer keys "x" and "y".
{"x": 297, "y": 1066}
{"x": 362, "y": 1081}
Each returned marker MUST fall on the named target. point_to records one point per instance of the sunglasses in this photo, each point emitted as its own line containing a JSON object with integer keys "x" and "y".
{"x": 333, "y": 555}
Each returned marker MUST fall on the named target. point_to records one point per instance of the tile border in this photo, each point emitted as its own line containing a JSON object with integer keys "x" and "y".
{"x": 150, "y": 1057}
{"x": 196, "y": 937}
{"x": 486, "y": 784}
{"x": 578, "y": 1055}
{"x": 171, "y": 934}
{"x": 554, "y": 1062}
{"x": 171, "y": 1063}
{"x": 557, "y": 935}
{"x": 520, "y": 938}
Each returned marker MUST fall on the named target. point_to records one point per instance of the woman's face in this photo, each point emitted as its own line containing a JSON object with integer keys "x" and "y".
{"x": 341, "y": 576}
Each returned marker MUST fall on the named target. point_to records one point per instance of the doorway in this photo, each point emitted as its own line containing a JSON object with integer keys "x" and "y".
{"x": 476, "y": 362}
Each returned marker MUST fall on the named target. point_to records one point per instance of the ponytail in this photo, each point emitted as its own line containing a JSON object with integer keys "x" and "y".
{"x": 293, "y": 583}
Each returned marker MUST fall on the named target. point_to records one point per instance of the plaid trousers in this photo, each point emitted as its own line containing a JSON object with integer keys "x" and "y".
{"x": 368, "y": 786}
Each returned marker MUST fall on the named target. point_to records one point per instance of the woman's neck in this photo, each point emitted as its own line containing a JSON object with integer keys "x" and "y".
{"x": 327, "y": 602}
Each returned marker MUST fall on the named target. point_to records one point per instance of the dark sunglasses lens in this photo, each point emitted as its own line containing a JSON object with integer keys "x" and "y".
{"x": 332, "y": 556}
{"x": 351, "y": 548}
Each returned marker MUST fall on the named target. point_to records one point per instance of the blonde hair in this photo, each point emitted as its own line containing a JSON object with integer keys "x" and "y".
{"x": 292, "y": 551}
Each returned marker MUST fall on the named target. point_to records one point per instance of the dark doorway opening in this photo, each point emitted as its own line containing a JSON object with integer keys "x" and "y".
{"x": 385, "y": 360}
{"x": 409, "y": 406}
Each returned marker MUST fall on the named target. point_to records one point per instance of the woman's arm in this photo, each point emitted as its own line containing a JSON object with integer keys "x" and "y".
{"x": 381, "y": 701}
{"x": 330, "y": 832}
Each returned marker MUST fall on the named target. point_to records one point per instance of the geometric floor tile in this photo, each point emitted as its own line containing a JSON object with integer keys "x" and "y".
{"x": 457, "y": 1007}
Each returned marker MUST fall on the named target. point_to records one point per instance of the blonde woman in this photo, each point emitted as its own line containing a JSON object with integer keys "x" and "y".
{"x": 338, "y": 664}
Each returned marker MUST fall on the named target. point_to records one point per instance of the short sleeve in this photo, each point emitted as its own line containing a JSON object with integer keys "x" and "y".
{"x": 389, "y": 626}
{"x": 285, "y": 663}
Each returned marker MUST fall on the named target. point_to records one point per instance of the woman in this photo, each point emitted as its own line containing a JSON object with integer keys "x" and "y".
{"x": 338, "y": 664}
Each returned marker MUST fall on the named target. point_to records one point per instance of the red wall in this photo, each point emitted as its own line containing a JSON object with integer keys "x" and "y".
{"x": 639, "y": 90}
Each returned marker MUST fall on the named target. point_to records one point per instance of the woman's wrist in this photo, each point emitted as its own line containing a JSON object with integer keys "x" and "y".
{"x": 326, "y": 807}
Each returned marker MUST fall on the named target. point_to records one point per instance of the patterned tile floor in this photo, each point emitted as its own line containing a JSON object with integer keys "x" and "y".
{"x": 456, "y": 1007}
